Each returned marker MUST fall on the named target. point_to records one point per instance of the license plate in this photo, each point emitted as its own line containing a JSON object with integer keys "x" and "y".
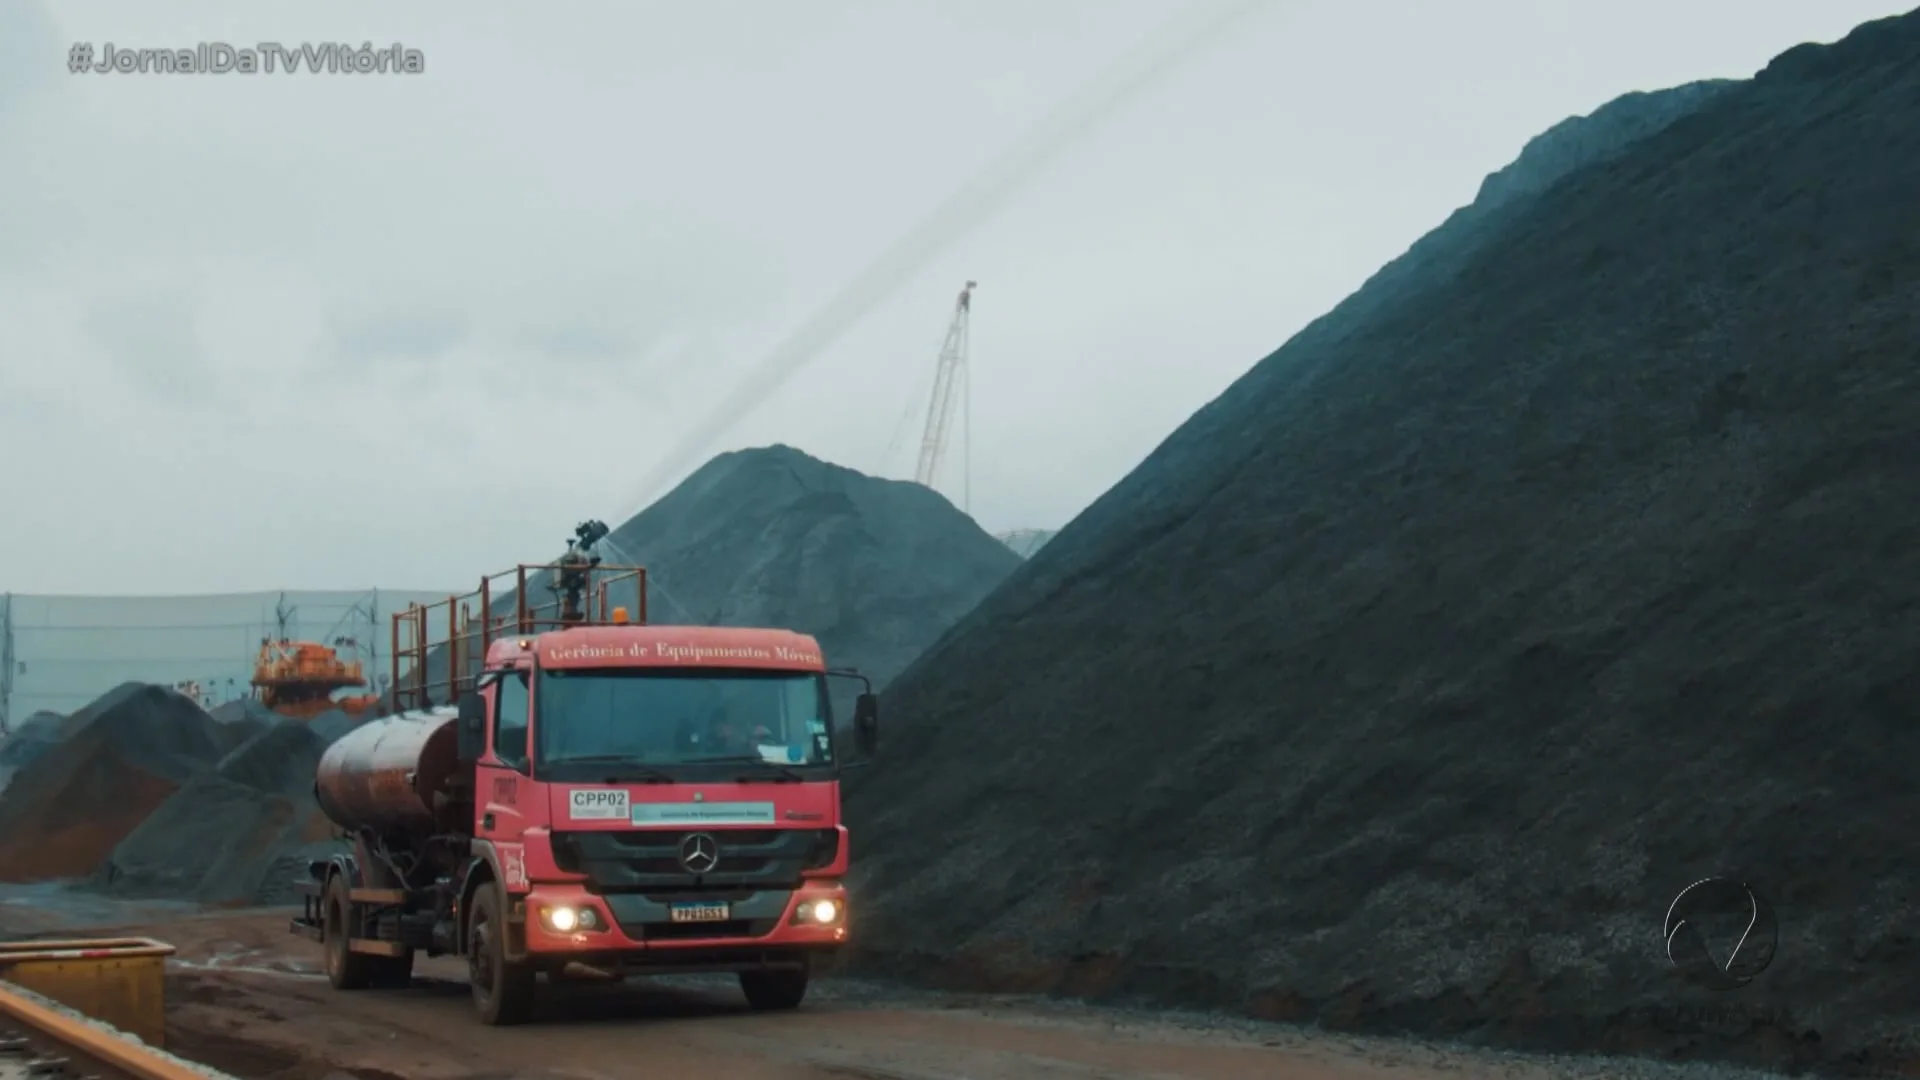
{"x": 716, "y": 911}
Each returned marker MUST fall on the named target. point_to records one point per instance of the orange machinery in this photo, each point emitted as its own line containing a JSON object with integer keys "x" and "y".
{"x": 299, "y": 679}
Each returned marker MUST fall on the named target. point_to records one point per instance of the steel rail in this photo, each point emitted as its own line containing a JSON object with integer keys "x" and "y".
{"x": 44, "y": 1040}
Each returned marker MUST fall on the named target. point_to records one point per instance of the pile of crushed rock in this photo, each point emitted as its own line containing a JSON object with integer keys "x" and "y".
{"x": 145, "y": 794}
{"x": 1569, "y": 562}
{"x": 875, "y": 569}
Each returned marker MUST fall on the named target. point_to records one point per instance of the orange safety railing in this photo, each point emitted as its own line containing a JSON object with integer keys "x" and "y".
{"x": 440, "y": 648}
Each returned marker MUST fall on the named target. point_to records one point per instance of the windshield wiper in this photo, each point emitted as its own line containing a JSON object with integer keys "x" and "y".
{"x": 629, "y": 769}
{"x": 771, "y": 770}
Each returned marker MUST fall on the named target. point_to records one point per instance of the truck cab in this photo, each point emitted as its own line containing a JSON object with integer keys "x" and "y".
{"x": 604, "y": 798}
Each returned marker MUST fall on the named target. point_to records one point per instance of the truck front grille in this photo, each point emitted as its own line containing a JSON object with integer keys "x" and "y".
{"x": 649, "y": 860}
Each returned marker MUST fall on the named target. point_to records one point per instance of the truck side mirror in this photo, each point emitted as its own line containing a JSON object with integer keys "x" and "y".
{"x": 866, "y": 724}
{"x": 473, "y": 726}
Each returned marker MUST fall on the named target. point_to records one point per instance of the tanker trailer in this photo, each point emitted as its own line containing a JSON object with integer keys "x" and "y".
{"x": 396, "y": 787}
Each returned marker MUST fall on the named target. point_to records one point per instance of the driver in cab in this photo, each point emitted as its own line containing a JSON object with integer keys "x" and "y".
{"x": 726, "y": 738}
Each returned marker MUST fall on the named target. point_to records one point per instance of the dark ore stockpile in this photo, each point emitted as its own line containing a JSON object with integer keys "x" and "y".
{"x": 875, "y": 569}
{"x": 1406, "y": 684}
{"x": 142, "y": 793}
{"x": 238, "y": 833}
{"x": 117, "y": 760}
{"x": 30, "y": 740}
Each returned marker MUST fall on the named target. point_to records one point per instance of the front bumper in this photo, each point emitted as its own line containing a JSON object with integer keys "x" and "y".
{"x": 566, "y": 923}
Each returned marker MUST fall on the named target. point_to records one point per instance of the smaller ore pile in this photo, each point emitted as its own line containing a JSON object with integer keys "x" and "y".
{"x": 145, "y": 794}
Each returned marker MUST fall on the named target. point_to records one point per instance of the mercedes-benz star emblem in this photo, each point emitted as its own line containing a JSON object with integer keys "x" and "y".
{"x": 699, "y": 853}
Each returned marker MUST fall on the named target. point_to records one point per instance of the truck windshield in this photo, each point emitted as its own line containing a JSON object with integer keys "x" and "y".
{"x": 667, "y": 717}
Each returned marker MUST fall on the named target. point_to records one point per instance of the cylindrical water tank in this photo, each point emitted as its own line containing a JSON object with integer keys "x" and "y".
{"x": 392, "y": 775}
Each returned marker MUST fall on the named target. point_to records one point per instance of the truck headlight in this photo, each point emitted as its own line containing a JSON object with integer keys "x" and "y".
{"x": 565, "y": 920}
{"x": 823, "y": 911}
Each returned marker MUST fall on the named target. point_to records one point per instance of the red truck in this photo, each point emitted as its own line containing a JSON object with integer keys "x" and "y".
{"x": 566, "y": 785}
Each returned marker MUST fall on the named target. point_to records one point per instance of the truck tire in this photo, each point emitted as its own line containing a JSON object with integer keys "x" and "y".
{"x": 502, "y": 992}
{"x": 346, "y": 969}
{"x": 770, "y": 990}
{"x": 349, "y": 970}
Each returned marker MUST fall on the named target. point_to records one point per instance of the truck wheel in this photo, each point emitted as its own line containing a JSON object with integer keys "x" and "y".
{"x": 769, "y": 990}
{"x": 502, "y": 992}
{"x": 346, "y": 969}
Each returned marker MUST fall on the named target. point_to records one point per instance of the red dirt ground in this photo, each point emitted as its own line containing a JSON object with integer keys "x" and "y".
{"x": 244, "y": 996}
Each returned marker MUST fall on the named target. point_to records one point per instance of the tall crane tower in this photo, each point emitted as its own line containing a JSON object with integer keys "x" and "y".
{"x": 949, "y": 389}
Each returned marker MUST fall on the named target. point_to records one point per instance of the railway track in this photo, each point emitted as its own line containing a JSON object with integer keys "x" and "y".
{"x": 25, "y": 1053}
{"x": 42, "y": 1039}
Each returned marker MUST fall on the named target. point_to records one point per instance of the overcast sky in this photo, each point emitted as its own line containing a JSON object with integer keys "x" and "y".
{"x": 338, "y": 331}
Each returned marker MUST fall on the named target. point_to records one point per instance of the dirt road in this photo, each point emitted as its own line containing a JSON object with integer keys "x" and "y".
{"x": 246, "y": 997}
